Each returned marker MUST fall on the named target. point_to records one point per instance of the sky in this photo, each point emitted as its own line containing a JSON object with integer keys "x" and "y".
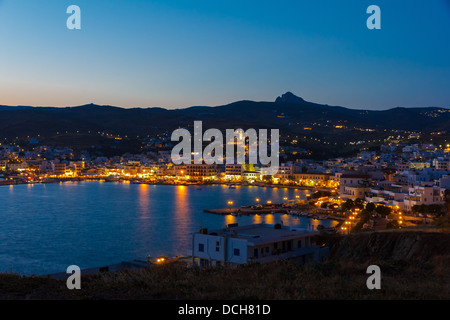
{"x": 181, "y": 53}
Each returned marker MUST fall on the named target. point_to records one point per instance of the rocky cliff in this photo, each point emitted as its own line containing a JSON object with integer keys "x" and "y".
{"x": 382, "y": 246}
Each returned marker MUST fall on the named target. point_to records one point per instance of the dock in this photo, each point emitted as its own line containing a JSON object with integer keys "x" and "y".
{"x": 245, "y": 211}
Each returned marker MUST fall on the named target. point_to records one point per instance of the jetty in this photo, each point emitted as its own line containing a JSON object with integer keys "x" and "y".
{"x": 245, "y": 211}
{"x": 273, "y": 209}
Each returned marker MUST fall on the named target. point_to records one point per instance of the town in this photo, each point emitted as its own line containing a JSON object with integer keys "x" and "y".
{"x": 397, "y": 186}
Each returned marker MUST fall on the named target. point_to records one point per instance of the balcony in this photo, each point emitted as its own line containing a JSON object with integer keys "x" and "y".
{"x": 286, "y": 255}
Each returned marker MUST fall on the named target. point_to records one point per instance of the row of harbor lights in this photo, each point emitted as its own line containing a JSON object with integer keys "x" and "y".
{"x": 230, "y": 202}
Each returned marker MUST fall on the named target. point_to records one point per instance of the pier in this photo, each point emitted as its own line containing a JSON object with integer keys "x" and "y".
{"x": 251, "y": 210}
{"x": 245, "y": 211}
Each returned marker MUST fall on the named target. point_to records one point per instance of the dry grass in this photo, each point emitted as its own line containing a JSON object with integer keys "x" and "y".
{"x": 421, "y": 272}
{"x": 283, "y": 281}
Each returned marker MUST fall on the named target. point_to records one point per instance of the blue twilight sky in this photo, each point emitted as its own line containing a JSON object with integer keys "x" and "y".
{"x": 179, "y": 53}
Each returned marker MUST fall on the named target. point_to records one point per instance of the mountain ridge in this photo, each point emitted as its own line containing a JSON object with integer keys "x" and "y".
{"x": 288, "y": 112}
{"x": 287, "y": 97}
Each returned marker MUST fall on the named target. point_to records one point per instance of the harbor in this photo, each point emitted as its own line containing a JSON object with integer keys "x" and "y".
{"x": 94, "y": 210}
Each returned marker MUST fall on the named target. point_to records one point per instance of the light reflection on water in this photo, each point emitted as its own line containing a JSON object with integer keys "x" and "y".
{"x": 45, "y": 228}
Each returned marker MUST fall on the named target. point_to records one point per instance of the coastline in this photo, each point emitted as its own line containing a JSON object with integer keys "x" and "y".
{"x": 143, "y": 181}
{"x": 242, "y": 210}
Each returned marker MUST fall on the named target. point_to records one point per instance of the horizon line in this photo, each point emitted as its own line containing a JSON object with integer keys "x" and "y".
{"x": 216, "y": 106}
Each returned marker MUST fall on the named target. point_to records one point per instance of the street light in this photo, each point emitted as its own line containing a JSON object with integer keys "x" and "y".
{"x": 348, "y": 223}
{"x": 230, "y": 203}
{"x": 352, "y": 218}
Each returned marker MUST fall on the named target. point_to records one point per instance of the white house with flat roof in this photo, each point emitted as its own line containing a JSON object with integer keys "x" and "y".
{"x": 261, "y": 243}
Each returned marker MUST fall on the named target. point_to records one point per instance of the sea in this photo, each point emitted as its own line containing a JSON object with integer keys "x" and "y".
{"x": 44, "y": 228}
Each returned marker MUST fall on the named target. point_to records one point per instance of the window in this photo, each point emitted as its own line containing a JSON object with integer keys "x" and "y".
{"x": 299, "y": 244}
{"x": 201, "y": 247}
{"x": 237, "y": 252}
{"x": 217, "y": 249}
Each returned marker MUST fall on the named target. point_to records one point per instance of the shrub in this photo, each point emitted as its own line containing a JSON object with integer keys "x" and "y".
{"x": 392, "y": 225}
{"x": 443, "y": 222}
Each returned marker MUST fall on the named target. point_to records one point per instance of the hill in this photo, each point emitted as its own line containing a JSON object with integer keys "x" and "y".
{"x": 324, "y": 131}
{"x": 288, "y": 112}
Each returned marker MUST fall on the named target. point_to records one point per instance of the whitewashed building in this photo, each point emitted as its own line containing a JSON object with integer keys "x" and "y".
{"x": 419, "y": 195}
{"x": 261, "y": 243}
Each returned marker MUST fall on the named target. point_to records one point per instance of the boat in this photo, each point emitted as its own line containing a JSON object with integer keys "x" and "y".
{"x": 232, "y": 186}
{"x": 111, "y": 179}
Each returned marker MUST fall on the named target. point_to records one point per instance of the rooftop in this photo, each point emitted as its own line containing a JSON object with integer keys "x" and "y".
{"x": 355, "y": 176}
{"x": 263, "y": 233}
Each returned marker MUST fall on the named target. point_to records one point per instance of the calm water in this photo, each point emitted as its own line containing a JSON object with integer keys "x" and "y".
{"x": 46, "y": 227}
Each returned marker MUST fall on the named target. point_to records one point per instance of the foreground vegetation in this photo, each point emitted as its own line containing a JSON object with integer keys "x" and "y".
{"x": 285, "y": 281}
{"x": 414, "y": 265}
